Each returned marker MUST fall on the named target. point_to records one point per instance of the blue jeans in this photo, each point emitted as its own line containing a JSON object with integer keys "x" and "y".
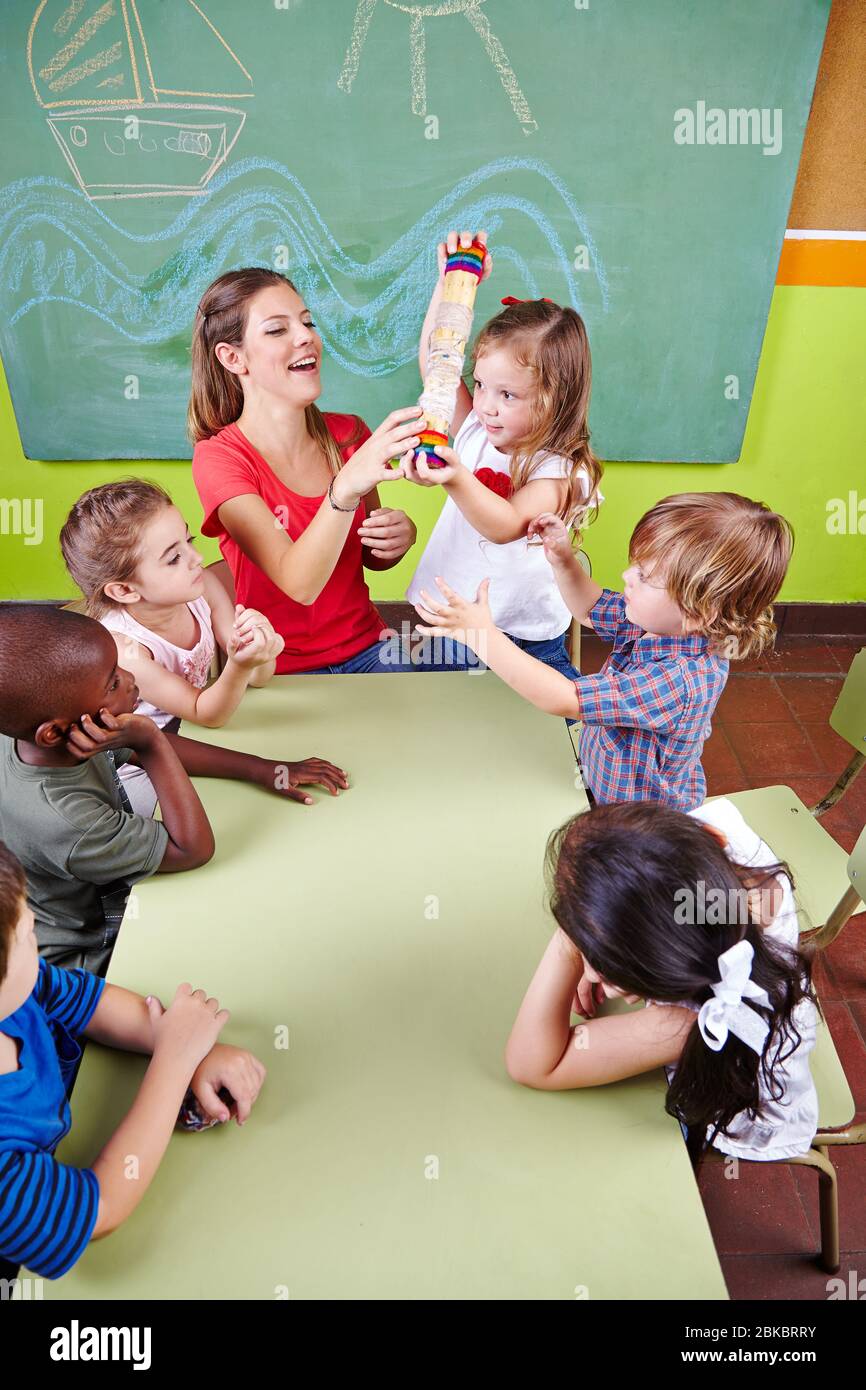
{"x": 378, "y": 659}
{"x": 442, "y": 653}
{"x": 553, "y": 652}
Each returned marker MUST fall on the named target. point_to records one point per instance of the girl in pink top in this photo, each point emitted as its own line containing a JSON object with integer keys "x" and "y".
{"x": 129, "y": 550}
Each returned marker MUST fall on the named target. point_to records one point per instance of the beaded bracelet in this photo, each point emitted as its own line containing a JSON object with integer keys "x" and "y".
{"x": 336, "y": 505}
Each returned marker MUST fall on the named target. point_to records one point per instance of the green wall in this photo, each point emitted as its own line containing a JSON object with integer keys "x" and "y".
{"x": 804, "y": 446}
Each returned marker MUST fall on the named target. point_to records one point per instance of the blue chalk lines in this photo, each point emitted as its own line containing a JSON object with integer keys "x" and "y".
{"x": 57, "y": 247}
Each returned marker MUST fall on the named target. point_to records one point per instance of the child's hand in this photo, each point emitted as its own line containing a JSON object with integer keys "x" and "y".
{"x": 286, "y": 778}
{"x": 418, "y": 470}
{"x": 429, "y": 478}
{"x": 555, "y": 535}
{"x": 188, "y": 1029}
{"x": 457, "y": 617}
{"x": 238, "y": 1071}
{"x": 587, "y": 996}
{"x": 88, "y": 737}
{"x": 388, "y": 532}
{"x": 246, "y": 621}
{"x": 253, "y": 641}
{"x": 274, "y": 646}
{"x": 448, "y": 247}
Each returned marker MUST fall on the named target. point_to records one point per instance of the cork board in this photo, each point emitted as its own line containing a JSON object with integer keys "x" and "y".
{"x": 830, "y": 192}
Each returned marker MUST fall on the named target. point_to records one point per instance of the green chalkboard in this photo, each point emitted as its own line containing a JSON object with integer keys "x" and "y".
{"x": 635, "y": 158}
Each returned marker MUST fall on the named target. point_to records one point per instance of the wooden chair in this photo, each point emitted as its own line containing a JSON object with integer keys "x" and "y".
{"x": 848, "y": 718}
{"x": 829, "y": 889}
{"x": 573, "y": 641}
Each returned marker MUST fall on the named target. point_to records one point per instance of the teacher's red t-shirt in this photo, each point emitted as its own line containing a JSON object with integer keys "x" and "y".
{"x": 342, "y": 621}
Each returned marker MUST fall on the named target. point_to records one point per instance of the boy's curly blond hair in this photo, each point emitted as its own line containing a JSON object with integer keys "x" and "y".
{"x": 724, "y": 558}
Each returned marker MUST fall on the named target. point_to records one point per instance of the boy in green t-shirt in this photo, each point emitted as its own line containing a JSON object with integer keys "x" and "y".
{"x": 65, "y": 719}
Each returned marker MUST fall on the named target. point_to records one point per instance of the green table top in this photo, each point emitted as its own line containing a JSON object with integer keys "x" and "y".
{"x": 392, "y": 931}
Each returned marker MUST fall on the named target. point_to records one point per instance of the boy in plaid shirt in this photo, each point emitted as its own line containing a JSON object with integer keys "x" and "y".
{"x": 704, "y": 569}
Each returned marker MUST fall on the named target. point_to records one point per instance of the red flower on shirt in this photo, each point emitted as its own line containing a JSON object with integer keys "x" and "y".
{"x": 499, "y": 483}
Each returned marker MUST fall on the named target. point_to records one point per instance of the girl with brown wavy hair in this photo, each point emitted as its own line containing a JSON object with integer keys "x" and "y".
{"x": 521, "y": 447}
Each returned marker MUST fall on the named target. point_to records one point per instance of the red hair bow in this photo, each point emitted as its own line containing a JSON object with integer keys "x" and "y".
{"x": 510, "y": 299}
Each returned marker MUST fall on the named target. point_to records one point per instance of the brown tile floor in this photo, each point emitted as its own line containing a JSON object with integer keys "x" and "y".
{"x": 771, "y": 727}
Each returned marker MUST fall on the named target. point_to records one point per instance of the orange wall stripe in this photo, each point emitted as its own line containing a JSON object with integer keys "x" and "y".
{"x": 820, "y": 261}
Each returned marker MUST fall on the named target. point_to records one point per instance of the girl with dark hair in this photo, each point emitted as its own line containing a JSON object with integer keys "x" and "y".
{"x": 692, "y": 914}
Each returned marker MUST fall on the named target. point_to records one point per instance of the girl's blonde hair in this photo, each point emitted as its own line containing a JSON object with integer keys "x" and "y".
{"x": 551, "y": 341}
{"x": 725, "y": 558}
{"x": 101, "y": 537}
{"x": 217, "y": 397}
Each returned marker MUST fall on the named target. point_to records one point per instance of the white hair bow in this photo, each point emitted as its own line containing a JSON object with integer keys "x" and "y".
{"x": 726, "y": 1012}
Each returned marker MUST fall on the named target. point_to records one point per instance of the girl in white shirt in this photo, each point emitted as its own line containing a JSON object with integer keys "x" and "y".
{"x": 693, "y": 914}
{"x": 521, "y": 448}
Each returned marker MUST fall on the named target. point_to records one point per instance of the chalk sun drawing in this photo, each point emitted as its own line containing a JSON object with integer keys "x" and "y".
{"x": 56, "y": 247}
{"x": 418, "y": 51}
{"x": 113, "y": 101}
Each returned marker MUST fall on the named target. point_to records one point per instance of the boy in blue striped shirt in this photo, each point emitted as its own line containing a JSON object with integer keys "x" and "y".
{"x": 48, "y": 1209}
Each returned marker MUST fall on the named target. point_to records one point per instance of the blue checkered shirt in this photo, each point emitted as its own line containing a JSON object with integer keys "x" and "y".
{"x": 647, "y": 713}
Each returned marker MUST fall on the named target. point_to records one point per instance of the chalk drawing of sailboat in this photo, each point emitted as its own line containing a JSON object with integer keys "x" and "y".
{"x": 120, "y": 82}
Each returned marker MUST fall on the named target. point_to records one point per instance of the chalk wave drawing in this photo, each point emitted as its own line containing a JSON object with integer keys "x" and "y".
{"x": 418, "y": 51}
{"x": 55, "y": 248}
{"x": 120, "y": 126}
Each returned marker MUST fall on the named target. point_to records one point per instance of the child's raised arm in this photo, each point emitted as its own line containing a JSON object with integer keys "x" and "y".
{"x": 166, "y": 690}
{"x": 446, "y": 248}
{"x": 580, "y": 594}
{"x": 499, "y": 519}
